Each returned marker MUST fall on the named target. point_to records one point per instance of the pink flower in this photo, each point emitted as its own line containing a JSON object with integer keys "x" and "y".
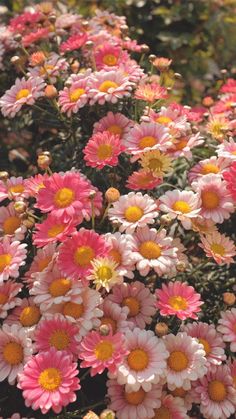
{"x": 178, "y": 299}
{"x": 10, "y": 223}
{"x": 102, "y": 150}
{"x": 14, "y": 188}
{"x": 171, "y": 407}
{"x": 35, "y": 183}
{"x": 108, "y": 86}
{"x": 183, "y": 145}
{"x": 215, "y": 165}
{"x": 51, "y": 230}
{"x": 53, "y": 66}
{"x": 115, "y": 316}
{"x": 41, "y": 262}
{"x": 227, "y": 149}
{"x": 150, "y": 92}
{"x": 8, "y": 297}
{"x": 230, "y": 178}
{"x": 226, "y": 326}
{"x": 12, "y": 256}
{"x": 35, "y": 36}
{"x": 121, "y": 244}
{"x": 74, "y": 42}
{"x": 229, "y": 86}
{"x": 108, "y": 55}
{"x": 219, "y": 247}
{"x": 72, "y": 98}
{"x": 115, "y": 123}
{"x": 26, "y": 315}
{"x": 142, "y": 180}
{"x": 49, "y": 380}
{"x": 23, "y": 21}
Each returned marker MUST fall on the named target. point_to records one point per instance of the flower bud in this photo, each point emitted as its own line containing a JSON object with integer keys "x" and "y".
{"x": 161, "y": 329}
{"x": 107, "y": 414}
{"x": 104, "y": 330}
{"x": 144, "y": 49}
{"x": 165, "y": 220}
{"x": 52, "y": 18}
{"x": 29, "y": 222}
{"x": 229, "y": 298}
{"x": 90, "y": 415}
{"x": 50, "y": 91}
{"x": 92, "y": 194}
{"x": 20, "y": 207}
{"x": 15, "y": 59}
{"x": 4, "y": 176}
{"x": 151, "y": 57}
{"x": 112, "y": 195}
{"x": 44, "y": 160}
{"x": 181, "y": 266}
{"x": 89, "y": 44}
{"x": 17, "y": 37}
{"x": 75, "y": 66}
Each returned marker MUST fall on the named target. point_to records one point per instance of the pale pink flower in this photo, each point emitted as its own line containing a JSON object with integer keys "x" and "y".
{"x": 8, "y": 297}
{"x": 219, "y": 247}
{"x": 142, "y": 180}
{"x": 42, "y": 262}
{"x": 171, "y": 408}
{"x": 214, "y": 165}
{"x": 120, "y": 245}
{"x": 227, "y": 149}
{"x": 72, "y": 98}
{"x": 115, "y": 123}
{"x": 171, "y": 118}
{"x": 26, "y": 315}
{"x": 52, "y": 230}
{"x": 10, "y": 223}
{"x": 226, "y": 326}
{"x": 108, "y": 55}
{"x": 150, "y": 92}
{"x": 183, "y": 145}
{"x": 14, "y": 188}
{"x": 108, "y": 86}
{"x": 115, "y": 316}
{"x": 53, "y": 67}
{"x": 103, "y": 149}
{"x": 132, "y": 70}
{"x": 12, "y": 256}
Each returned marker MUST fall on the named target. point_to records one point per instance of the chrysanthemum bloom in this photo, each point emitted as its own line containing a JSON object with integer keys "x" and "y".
{"x": 20, "y": 23}
{"x": 53, "y": 377}
{"x": 216, "y": 393}
{"x": 54, "y": 66}
{"x": 171, "y": 408}
{"x": 132, "y": 70}
{"x": 132, "y": 211}
{"x": 12, "y": 256}
{"x": 78, "y": 251}
{"x": 183, "y": 145}
{"x": 135, "y": 404}
{"x": 230, "y": 176}
{"x": 178, "y": 299}
{"x": 108, "y": 55}
{"x": 150, "y": 92}
{"x": 8, "y": 297}
{"x": 51, "y": 230}
{"x": 142, "y": 180}
{"x": 15, "y": 350}
{"x": 219, "y": 247}
{"x": 159, "y": 164}
{"x": 161, "y": 63}
{"x": 139, "y": 300}
{"x": 217, "y": 127}
{"x": 72, "y": 98}
{"x": 186, "y": 361}
{"x": 103, "y": 149}
{"x": 37, "y": 35}
{"x": 115, "y": 123}
{"x": 145, "y": 363}
{"x": 183, "y": 205}
{"x": 10, "y": 223}
{"x": 216, "y": 201}
{"x": 26, "y": 315}
{"x": 74, "y": 42}
{"x": 203, "y": 226}
{"x": 115, "y": 316}
{"x": 34, "y": 183}
{"x": 171, "y": 118}
{"x": 23, "y": 92}
{"x": 214, "y": 165}
{"x": 41, "y": 263}
{"x": 183, "y": 394}
{"x": 121, "y": 244}
{"x": 212, "y": 341}
{"x": 227, "y": 149}
{"x": 104, "y": 274}
{"x": 226, "y": 326}
{"x": 153, "y": 250}
{"x": 108, "y": 86}
{"x": 14, "y": 188}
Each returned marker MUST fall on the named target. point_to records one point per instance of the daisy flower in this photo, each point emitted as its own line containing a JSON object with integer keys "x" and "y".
{"x": 178, "y": 299}
{"x": 74, "y": 42}
{"x": 217, "y": 126}
{"x": 14, "y": 188}
{"x": 212, "y": 341}
{"x": 134, "y": 404}
{"x": 104, "y": 274}
{"x": 229, "y": 177}
{"x": 108, "y": 55}
{"x": 171, "y": 408}
{"x": 215, "y": 198}
{"x": 183, "y": 394}
{"x": 232, "y": 366}
{"x": 15, "y": 350}
{"x": 72, "y": 98}
{"x": 171, "y": 118}
{"x": 145, "y": 363}
{"x": 108, "y": 86}
{"x": 51, "y": 230}
{"x": 115, "y": 316}
{"x": 229, "y": 86}
{"x": 10, "y": 223}
{"x": 159, "y": 164}
{"x": 214, "y": 165}
{"x": 120, "y": 245}
{"x": 186, "y": 361}
{"x": 53, "y": 66}
{"x": 226, "y": 326}
{"x": 8, "y": 297}
{"x": 227, "y": 149}
{"x": 26, "y": 315}
{"x": 41, "y": 263}
{"x": 183, "y": 145}
{"x": 203, "y": 226}
{"x": 142, "y": 180}
{"x": 12, "y": 256}
{"x": 53, "y": 377}
{"x": 115, "y": 123}
{"x": 139, "y": 301}
{"x": 103, "y": 149}
{"x": 23, "y": 92}
{"x": 132, "y": 70}
{"x": 150, "y": 92}
{"x": 183, "y": 205}
{"x": 37, "y": 35}
{"x": 219, "y": 247}
{"x": 34, "y": 183}
{"x": 132, "y": 211}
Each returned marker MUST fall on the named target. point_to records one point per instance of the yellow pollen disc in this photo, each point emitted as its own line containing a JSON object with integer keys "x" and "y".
{"x": 150, "y": 250}
{"x": 177, "y": 361}
{"x": 75, "y": 95}
{"x": 11, "y": 224}
{"x": 55, "y": 230}
{"x": 83, "y": 255}
{"x": 104, "y": 151}
{"x": 181, "y": 206}
{"x": 163, "y": 413}
{"x": 116, "y": 256}
{"x": 13, "y": 353}
{"x": 135, "y": 397}
{"x": 106, "y": 85}
{"x": 43, "y": 263}
{"x": 59, "y": 339}
{"x": 108, "y": 321}
{"x": 5, "y": 260}
{"x": 209, "y": 168}
{"x": 155, "y": 164}
{"x": 133, "y": 214}
{"x": 138, "y": 360}
{"x": 50, "y": 379}
{"x": 103, "y": 350}
{"x": 147, "y": 142}
{"x": 45, "y": 68}
{"x": 178, "y": 303}
{"x": 64, "y": 197}
{"x": 133, "y": 304}
{"x": 181, "y": 144}
{"x": 115, "y": 129}
{"x": 234, "y": 153}
{"x": 73, "y": 310}
{"x": 109, "y": 59}
{"x": 3, "y": 298}
{"x": 59, "y": 287}
{"x": 217, "y": 391}
{"x": 17, "y": 189}
{"x": 22, "y": 93}
{"x": 104, "y": 273}
{"x": 206, "y": 345}
{"x": 218, "y": 249}
{"x": 178, "y": 392}
{"x": 210, "y": 199}
{"x": 164, "y": 120}
{"x": 30, "y": 316}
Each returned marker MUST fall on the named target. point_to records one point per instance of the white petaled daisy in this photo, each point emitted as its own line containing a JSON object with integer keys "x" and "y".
{"x": 108, "y": 86}
{"x": 13, "y": 188}
{"x": 132, "y": 211}
{"x": 183, "y": 145}
{"x": 104, "y": 274}
{"x": 12, "y": 256}
{"x": 121, "y": 244}
{"x": 10, "y": 223}
{"x": 115, "y": 123}
{"x": 115, "y": 316}
{"x": 183, "y": 394}
{"x": 227, "y": 149}
{"x": 227, "y": 326}
{"x": 219, "y": 247}
{"x": 8, "y": 297}
{"x": 215, "y": 165}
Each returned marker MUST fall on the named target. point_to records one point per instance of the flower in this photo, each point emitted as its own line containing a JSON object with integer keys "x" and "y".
{"x": 53, "y": 377}
{"x": 229, "y": 176}
{"x": 213, "y": 165}
{"x": 161, "y": 63}
{"x": 108, "y": 86}
{"x": 41, "y": 263}
{"x": 103, "y": 149}
{"x": 120, "y": 245}
{"x": 72, "y": 98}
{"x": 219, "y": 247}
{"x": 171, "y": 408}
{"x": 115, "y": 123}
{"x": 74, "y": 42}
{"x": 53, "y": 66}
{"x": 51, "y": 230}
{"x": 150, "y": 92}
{"x": 10, "y": 223}
{"x": 12, "y": 256}
{"x": 8, "y": 297}
{"x": 14, "y": 188}
{"x": 133, "y": 210}
{"x": 26, "y": 315}
{"x": 183, "y": 145}
{"x": 108, "y": 55}
{"x": 115, "y": 316}
{"x": 217, "y": 126}
{"x": 156, "y": 162}
{"x": 178, "y": 299}
{"x": 104, "y": 274}
{"x": 35, "y": 36}
{"x": 34, "y": 183}
{"x": 227, "y": 149}
{"x": 23, "y": 92}
{"x": 226, "y": 326}
{"x": 142, "y": 180}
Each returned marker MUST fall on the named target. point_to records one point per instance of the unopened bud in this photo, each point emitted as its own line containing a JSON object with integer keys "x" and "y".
{"x": 223, "y": 71}
{"x": 92, "y": 194}
{"x": 112, "y": 195}
{"x": 68, "y": 83}
{"x": 50, "y": 91}
{"x": 144, "y": 49}
{"x": 75, "y": 66}
{"x": 181, "y": 266}
{"x": 44, "y": 160}
{"x": 52, "y": 18}
{"x": 104, "y": 330}
{"x": 15, "y": 60}
{"x": 4, "y": 176}
{"x": 229, "y": 298}
{"x": 165, "y": 220}
{"x": 178, "y": 76}
{"x": 151, "y": 57}
{"x": 161, "y": 329}
{"x": 29, "y": 222}
{"x": 85, "y": 24}
{"x": 90, "y": 415}
{"x": 206, "y": 114}
{"x": 17, "y": 37}
{"x": 20, "y": 207}
{"x": 107, "y": 414}
{"x": 89, "y": 44}
{"x": 207, "y": 101}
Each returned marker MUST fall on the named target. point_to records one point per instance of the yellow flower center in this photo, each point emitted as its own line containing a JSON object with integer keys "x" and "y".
{"x": 209, "y": 168}
{"x": 218, "y": 249}
{"x": 108, "y": 321}
{"x": 73, "y": 310}
{"x": 106, "y": 85}
{"x": 30, "y": 316}
{"x": 178, "y": 303}
{"x": 155, "y": 164}
{"x": 59, "y": 287}
{"x": 116, "y": 256}
{"x": 181, "y": 206}
{"x": 43, "y": 263}
{"x": 55, "y": 230}
{"x": 150, "y": 250}
{"x": 163, "y": 413}
{"x": 234, "y": 152}
{"x": 104, "y": 273}
{"x": 5, "y": 260}
{"x": 115, "y": 129}
{"x": 178, "y": 392}
{"x": 50, "y": 379}
{"x": 147, "y": 141}
{"x": 17, "y": 189}
{"x": 84, "y": 255}
{"x": 210, "y": 199}
{"x": 75, "y": 95}
{"x": 217, "y": 391}
{"x": 164, "y": 120}
{"x": 3, "y": 298}
{"x": 13, "y": 353}
{"x": 138, "y": 360}
{"x": 206, "y": 345}
{"x": 103, "y": 350}
{"x": 133, "y": 214}
{"x": 11, "y": 224}
{"x": 177, "y": 361}
{"x": 109, "y": 59}
{"x": 135, "y": 397}
{"x": 22, "y": 93}
{"x": 104, "y": 151}
{"x": 133, "y": 304}
{"x": 59, "y": 339}
{"x": 181, "y": 144}
{"x": 64, "y": 197}
{"x": 44, "y": 69}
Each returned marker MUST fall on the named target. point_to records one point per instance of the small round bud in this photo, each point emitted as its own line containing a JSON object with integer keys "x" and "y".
{"x": 92, "y": 194}
{"x": 207, "y": 101}
{"x": 107, "y": 414}
{"x": 20, "y": 207}
{"x": 206, "y": 114}
{"x": 104, "y": 330}
{"x": 15, "y": 59}
{"x": 169, "y": 89}
{"x": 75, "y": 66}
{"x": 52, "y": 18}
{"x": 68, "y": 83}
{"x": 4, "y": 176}
{"x": 161, "y": 329}
{"x": 124, "y": 29}
{"x": 29, "y": 222}
{"x": 223, "y": 71}
{"x": 90, "y": 415}
{"x": 85, "y": 24}
{"x": 112, "y": 195}
{"x": 181, "y": 266}
{"x": 44, "y": 160}
{"x": 50, "y": 91}
{"x": 144, "y": 49}
{"x": 89, "y": 44}
{"x": 229, "y": 298}
{"x": 17, "y": 37}
{"x": 178, "y": 76}
{"x": 151, "y": 57}
{"x": 165, "y": 220}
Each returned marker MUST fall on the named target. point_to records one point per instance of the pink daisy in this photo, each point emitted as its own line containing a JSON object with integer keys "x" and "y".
{"x": 26, "y": 315}
{"x": 142, "y": 180}
{"x": 150, "y": 92}
{"x": 115, "y": 123}
{"x": 23, "y": 21}
{"x": 8, "y": 297}
{"x": 34, "y": 183}
{"x": 108, "y": 55}
{"x": 53, "y": 67}
{"x": 213, "y": 165}
{"x": 51, "y": 230}
{"x": 121, "y": 244}
{"x": 115, "y": 316}
{"x": 41, "y": 262}
{"x": 229, "y": 86}
{"x": 132, "y": 211}
{"x": 132, "y": 70}
{"x": 72, "y": 98}
{"x": 171, "y": 408}
{"x": 23, "y": 92}
{"x": 12, "y": 256}
{"x": 227, "y": 149}
{"x": 103, "y": 149}
{"x": 226, "y": 326}
{"x": 109, "y": 86}
{"x": 14, "y": 188}
{"x": 49, "y": 380}
{"x": 171, "y": 118}
{"x": 232, "y": 366}
{"x": 10, "y": 223}
{"x": 219, "y": 247}
{"x": 37, "y": 35}
{"x": 229, "y": 176}
{"x": 183, "y": 145}
{"x": 74, "y": 42}
{"x": 178, "y": 299}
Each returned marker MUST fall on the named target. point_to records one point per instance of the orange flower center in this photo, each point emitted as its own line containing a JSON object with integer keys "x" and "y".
{"x": 64, "y": 197}
{"x": 209, "y": 168}
{"x": 155, "y": 164}
{"x": 50, "y": 379}
{"x": 30, "y": 316}
{"x": 75, "y": 95}
{"x": 133, "y": 304}
{"x": 84, "y": 255}
{"x": 104, "y": 151}
{"x": 150, "y": 250}
{"x": 43, "y": 263}
{"x": 115, "y": 129}
{"x": 13, "y": 353}
{"x": 73, "y": 310}
{"x": 5, "y": 260}
{"x": 109, "y": 59}
{"x": 164, "y": 120}
{"x": 16, "y": 189}
{"x": 11, "y": 224}
{"x": 163, "y": 413}
{"x": 218, "y": 249}
{"x": 181, "y": 206}
{"x": 116, "y": 256}
{"x": 22, "y": 93}
{"x": 106, "y": 85}
{"x": 147, "y": 141}
{"x": 177, "y": 361}
{"x": 59, "y": 339}
{"x": 178, "y": 303}
{"x": 135, "y": 397}
{"x": 59, "y": 287}
{"x": 217, "y": 391}
{"x": 108, "y": 321}
{"x": 210, "y": 199}
{"x": 178, "y": 392}
{"x": 138, "y": 360}
{"x": 133, "y": 214}
{"x": 103, "y": 350}
{"x": 55, "y": 230}
{"x": 206, "y": 345}
{"x": 3, "y": 298}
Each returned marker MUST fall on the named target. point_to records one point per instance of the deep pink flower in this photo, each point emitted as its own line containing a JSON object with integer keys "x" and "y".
{"x": 230, "y": 177}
